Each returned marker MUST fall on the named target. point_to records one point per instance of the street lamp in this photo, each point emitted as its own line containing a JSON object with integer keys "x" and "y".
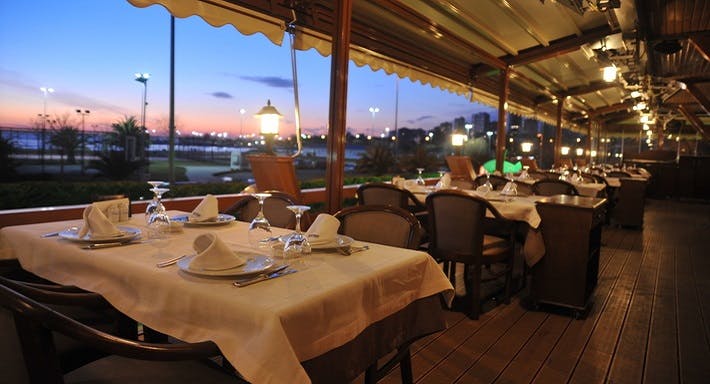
{"x": 83, "y": 113}
{"x": 373, "y": 110}
{"x": 489, "y": 134}
{"x": 143, "y": 78}
{"x": 45, "y": 91}
{"x": 241, "y": 123}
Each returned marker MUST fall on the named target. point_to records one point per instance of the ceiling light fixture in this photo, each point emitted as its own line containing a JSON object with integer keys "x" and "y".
{"x": 609, "y": 73}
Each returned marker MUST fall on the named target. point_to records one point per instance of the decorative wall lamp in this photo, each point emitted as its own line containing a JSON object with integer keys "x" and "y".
{"x": 526, "y": 147}
{"x": 269, "y": 117}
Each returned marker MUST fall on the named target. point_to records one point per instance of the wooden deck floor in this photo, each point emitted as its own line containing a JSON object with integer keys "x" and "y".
{"x": 650, "y": 321}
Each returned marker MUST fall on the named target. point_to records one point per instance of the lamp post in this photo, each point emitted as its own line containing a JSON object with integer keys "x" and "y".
{"x": 241, "y": 122}
{"x": 83, "y": 113}
{"x": 143, "y": 78}
{"x": 489, "y": 134}
{"x": 373, "y": 110}
{"x": 45, "y": 91}
{"x": 269, "y": 116}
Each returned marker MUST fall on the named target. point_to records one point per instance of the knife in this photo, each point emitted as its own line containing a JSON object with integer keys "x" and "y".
{"x": 264, "y": 277}
{"x": 111, "y": 244}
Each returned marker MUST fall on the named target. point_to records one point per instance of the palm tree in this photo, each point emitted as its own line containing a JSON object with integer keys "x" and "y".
{"x": 126, "y": 129}
{"x": 7, "y": 163}
{"x": 66, "y": 139}
{"x": 377, "y": 159}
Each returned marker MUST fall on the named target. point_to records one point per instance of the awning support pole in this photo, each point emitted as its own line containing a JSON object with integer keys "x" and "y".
{"x": 335, "y": 156}
{"x": 502, "y": 117}
{"x": 558, "y": 135}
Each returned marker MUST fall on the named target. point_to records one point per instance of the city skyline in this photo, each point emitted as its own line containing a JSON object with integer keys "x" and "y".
{"x": 90, "y": 64}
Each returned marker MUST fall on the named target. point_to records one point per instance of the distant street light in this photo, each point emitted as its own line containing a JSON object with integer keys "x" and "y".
{"x": 83, "y": 113}
{"x": 143, "y": 78}
{"x": 241, "y": 124}
{"x": 45, "y": 91}
{"x": 373, "y": 110}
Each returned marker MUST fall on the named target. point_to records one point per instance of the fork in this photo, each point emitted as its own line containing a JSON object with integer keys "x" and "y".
{"x": 170, "y": 262}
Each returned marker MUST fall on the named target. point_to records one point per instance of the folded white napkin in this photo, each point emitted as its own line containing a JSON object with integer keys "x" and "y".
{"x": 483, "y": 189}
{"x": 213, "y": 254}
{"x": 410, "y": 184}
{"x": 509, "y": 189}
{"x": 207, "y": 210}
{"x": 116, "y": 210}
{"x": 323, "y": 230}
{"x": 398, "y": 181}
{"x": 444, "y": 182}
{"x": 96, "y": 224}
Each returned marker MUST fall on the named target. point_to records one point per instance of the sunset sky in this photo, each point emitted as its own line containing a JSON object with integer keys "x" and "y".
{"x": 88, "y": 51}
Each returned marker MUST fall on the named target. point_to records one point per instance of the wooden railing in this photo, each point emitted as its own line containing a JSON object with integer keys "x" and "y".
{"x": 70, "y": 212}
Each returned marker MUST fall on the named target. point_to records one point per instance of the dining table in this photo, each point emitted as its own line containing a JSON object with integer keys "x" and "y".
{"x": 324, "y": 323}
{"x": 584, "y": 189}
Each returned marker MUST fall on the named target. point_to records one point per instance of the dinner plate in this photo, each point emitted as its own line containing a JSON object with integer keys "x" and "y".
{"x": 222, "y": 219}
{"x": 256, "y": 263}
{"x": 339, "y": 242}
{"x": 127, "y": 234}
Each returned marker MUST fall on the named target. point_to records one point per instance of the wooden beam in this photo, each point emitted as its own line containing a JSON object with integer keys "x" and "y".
{"x": 611, "y": 108}
{"x": 557, "y": 47}
{"x": 694, "y": 121}
{"x": 578, "y": 91}
{"x": 701, "y": 45}
{"x": 699, "y": 96}
{"x": 502, "y": 115}
{"x": 335, "y": 157}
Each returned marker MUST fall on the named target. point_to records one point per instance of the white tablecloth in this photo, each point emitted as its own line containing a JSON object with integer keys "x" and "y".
{"x": 264, "y": 330}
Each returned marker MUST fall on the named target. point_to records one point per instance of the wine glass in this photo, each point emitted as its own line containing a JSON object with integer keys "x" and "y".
{"x": 420, "y": 179}
{"x": 153, "y": 205}
{"x": 297, "y": 244}
{"x": 159, "y": 222}
{"x": 488, "y": 182}
{"x": 260, "y": 234}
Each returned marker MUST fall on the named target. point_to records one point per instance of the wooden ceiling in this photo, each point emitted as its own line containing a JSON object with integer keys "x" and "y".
{"x": 554, "y": 50}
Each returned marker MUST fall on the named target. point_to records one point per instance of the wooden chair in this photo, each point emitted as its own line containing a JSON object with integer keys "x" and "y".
{"x": 461, "y": 167}
{"x": 554, "y": 187}
{"x": 275, "y": 173}
{"x": 388, "y": 194}
{"x": 498, "y": 182}
{"x": 130, "y": 361}
{"x": 382, "y": 224}
{"x": 275, "y": 210}
{"x": 538, "y": 175}
{"x": 457, "y": 235}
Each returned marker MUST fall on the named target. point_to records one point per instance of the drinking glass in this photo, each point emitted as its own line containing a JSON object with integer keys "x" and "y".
{"x": 260, "y": 235}
{"x": 488, "y": 182}
{"x": 297, "y": 244}
{"x": 420, "y": 179}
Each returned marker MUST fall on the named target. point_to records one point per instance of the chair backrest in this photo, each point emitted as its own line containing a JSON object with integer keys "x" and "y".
{"x": 524, "y": 189}
{"x": 275, "y": 210}
{"x": 34, "y": 322}
{"x": 387, "y": 194}
{"x": 275, "y": 173}
{"x": 538, "y": 175}
{"x": 461, "y": 167}
{"x": 530, "y": 163}
{"x": 382, "y": 224}
{"x": 554, "y": 187}
{"x": 456, "y": 225}
{"x": 498, "y": 182}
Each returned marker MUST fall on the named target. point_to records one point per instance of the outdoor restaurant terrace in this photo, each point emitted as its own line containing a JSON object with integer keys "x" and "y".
{"x": 589, "y": 269}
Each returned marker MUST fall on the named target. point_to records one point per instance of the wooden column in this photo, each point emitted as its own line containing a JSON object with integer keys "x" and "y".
{"x": 502, "y": 115}
{"x": 335, "y": 155}
{"x": 558, "y": 135}
{"x": 588, "y": 150}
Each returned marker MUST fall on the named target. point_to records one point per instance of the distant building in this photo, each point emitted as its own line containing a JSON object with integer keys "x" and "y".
{"x": 481, "y": 122}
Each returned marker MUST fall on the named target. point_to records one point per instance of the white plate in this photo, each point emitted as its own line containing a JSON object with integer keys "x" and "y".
{"x": 340, "y": 241}
{"x": 256, "y": 263}
{"x": 222, "y": 219}
{"x": 127, "y": 234}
